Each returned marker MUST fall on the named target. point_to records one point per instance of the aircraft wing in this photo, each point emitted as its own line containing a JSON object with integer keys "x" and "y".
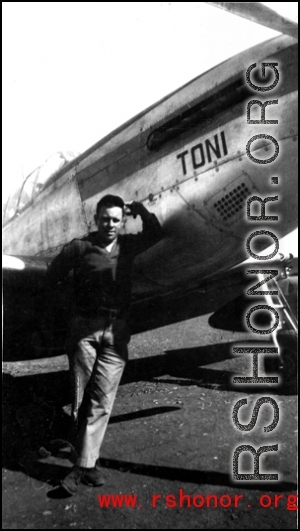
{"x": 224, "y": 289}
{"x": 25, "y": 304}
{"x": 24, "y": 263}
{"x": 33, "y": 316}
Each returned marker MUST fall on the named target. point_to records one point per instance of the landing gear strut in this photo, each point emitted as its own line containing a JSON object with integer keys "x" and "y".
{"x": 285, "y": 337}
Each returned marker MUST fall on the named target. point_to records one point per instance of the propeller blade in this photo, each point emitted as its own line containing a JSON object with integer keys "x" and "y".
{"x": 257, "y": 12}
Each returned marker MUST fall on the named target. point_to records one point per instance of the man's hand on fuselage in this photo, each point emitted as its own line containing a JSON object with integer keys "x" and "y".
{"x": 134, "y": 208}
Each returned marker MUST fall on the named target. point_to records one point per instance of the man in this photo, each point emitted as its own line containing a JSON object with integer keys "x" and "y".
{"x": 98, "y": 337}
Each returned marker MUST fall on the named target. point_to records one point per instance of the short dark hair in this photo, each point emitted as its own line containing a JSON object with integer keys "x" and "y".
{"x": 109, "y": 201}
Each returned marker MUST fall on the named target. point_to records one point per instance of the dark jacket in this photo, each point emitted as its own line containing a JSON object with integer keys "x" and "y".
{"x": 102, "y": 278}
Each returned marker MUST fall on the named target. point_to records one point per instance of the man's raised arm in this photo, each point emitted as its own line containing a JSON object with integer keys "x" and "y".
{"x": 152, "y": 231}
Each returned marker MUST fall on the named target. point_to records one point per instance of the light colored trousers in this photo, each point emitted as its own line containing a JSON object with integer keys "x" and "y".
{"x": 97, "y": 350}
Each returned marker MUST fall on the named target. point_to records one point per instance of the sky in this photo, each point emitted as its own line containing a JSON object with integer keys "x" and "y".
{"x": 74, "y": 71}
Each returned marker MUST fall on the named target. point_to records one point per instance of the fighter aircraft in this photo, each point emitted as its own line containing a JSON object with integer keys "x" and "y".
{"x": 185, "y": 158}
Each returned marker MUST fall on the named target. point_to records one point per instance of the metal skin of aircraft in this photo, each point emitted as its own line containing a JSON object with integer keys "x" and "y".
{"x": 185, "y": 159}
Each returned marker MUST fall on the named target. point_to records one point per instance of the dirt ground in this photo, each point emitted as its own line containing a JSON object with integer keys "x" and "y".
{"x": 171, "y": 435}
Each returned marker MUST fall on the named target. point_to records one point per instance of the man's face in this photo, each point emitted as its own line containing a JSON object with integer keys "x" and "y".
{"x": 109, "y": 223}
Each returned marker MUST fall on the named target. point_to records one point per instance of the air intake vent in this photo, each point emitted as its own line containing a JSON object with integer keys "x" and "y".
{"x": 229, "y": 204}
{"x": 232, "y": 202}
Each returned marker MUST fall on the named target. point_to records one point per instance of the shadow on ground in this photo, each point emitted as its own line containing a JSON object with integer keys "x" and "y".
{"x": 53, "y": 472}
{"x": 34, "y": 414}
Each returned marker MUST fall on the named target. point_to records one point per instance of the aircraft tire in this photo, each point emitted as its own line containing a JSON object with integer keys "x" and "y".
{"x": 33, "y": 343}
{"x": 287, "y": 340}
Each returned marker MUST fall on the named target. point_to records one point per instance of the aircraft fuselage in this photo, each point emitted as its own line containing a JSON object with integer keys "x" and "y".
{"x": 185, "y": 159}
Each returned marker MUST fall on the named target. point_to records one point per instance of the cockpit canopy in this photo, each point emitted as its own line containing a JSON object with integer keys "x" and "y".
{"x": 35, "y": 182}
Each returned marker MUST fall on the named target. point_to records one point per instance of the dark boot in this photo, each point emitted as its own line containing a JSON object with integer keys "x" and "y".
{"x": 93, "y": 477}
{"x": 71, "y": 481}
